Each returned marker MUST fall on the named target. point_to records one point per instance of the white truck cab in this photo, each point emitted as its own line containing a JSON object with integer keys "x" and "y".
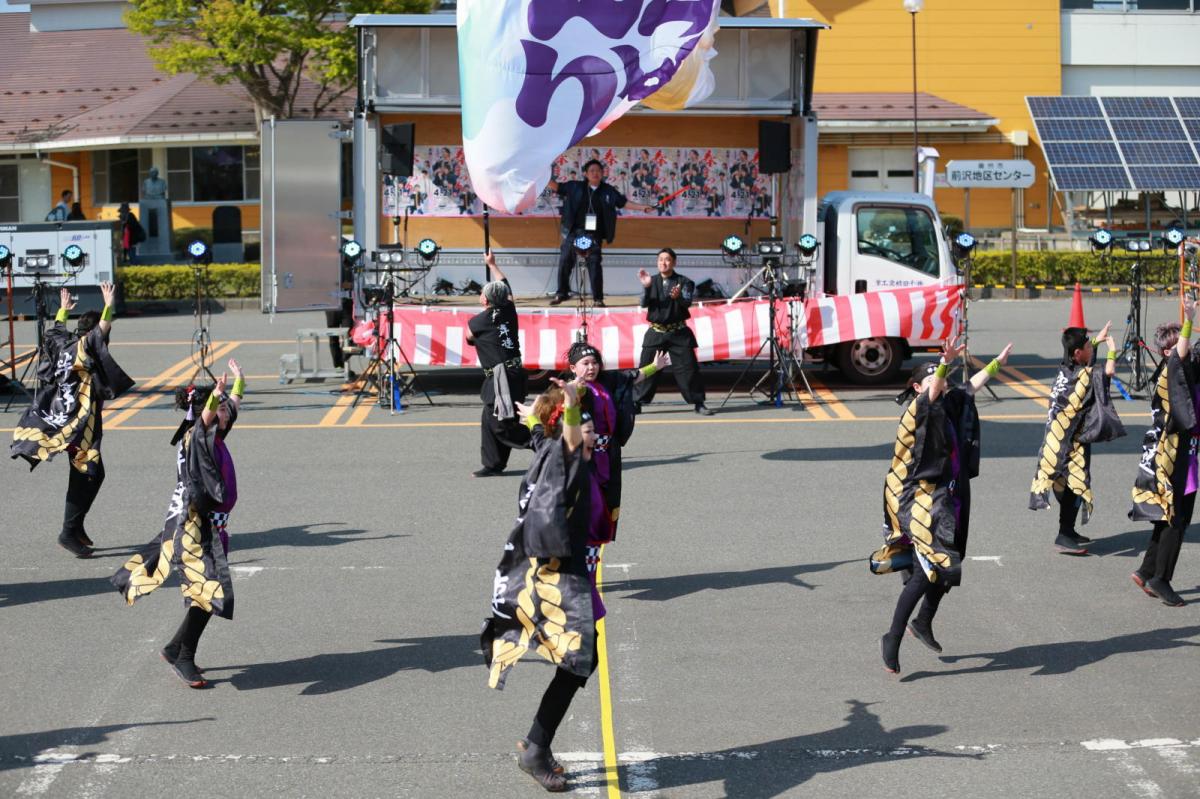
{"x": 875, "y": 241}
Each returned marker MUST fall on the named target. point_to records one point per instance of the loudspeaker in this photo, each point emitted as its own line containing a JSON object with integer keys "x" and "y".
{"x": 396, "y": 150}
{"x": 774, "y": 147}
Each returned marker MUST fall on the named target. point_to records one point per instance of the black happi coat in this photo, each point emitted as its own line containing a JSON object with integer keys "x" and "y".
{"x": 542, "y": 597}
{"x": 1164, "y": 465}
{"x": 1064, "y": 461}
{"x": 187, "y": 541}
{"x": 920, "y": 490}
{"x": 77, "y": 374}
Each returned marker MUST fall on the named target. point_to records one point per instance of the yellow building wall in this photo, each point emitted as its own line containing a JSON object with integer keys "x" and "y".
{"x": 649, "y": 233}
{"x": 979, "y": 53}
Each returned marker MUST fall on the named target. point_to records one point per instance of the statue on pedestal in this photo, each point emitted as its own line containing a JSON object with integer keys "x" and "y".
{"x": 156, "y": 218}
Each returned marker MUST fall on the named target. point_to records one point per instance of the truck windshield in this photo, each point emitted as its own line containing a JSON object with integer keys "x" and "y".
{"x": 903, "y": 235}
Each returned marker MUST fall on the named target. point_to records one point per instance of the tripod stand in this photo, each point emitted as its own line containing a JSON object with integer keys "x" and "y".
{"x": 582, "y": 273}
{"x": 202, "y": 317}
{"x": 965, "y": 271}
{"x": 781, "y": 361}
{"x": 33, "y": 359}
{"x": 381, "y": 372}
{"x": 1134, "y": 352}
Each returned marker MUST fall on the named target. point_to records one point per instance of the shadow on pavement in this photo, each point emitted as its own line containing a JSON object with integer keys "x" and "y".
{"x": 303, "y": 535}
{"x": 13, "y": 594}
{"x": 662, "y": 589}
{"x": 776, "y": 767}
{"x": 1128, "y": 544}
{"x": 1066, "y": 656}
{"x": 343, "y": 671}
{"x": 18, "y": 751}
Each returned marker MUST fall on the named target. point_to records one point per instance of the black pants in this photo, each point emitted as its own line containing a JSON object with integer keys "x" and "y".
{"x": 566, "y": 264}
{"x": 917, "y": 588}
{"x": 81, "y": 493}
{"x": 1167, "y": 539}
{"x": 498, "y": 438}
{"x": 187, "y": 637}
{"x": 338, "y": 318}
{"x": 555, "y": 703}
{"x": 680, "y": 345}
{"x": 1068, "y": 511}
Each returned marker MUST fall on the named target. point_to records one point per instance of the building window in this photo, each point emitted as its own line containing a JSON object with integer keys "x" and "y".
{"x": 117, "y": 175}
{"x": 179, "y": 174}
{"x": 10, "y": 206}
{"x": 213, "y": 174}
{"x": 902, "y": 235}
{"x": 1131, "y": 5}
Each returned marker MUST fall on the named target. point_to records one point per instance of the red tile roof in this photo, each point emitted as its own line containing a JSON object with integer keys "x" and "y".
{"x": 887, "y": 106}
{"x": 72, "y": 86}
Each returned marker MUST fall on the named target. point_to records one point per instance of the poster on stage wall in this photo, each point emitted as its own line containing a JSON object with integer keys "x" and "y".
{"x": 706, "y": 183}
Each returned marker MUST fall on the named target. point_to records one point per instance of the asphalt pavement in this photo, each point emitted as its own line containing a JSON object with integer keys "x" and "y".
{"x": 741, "y": 652}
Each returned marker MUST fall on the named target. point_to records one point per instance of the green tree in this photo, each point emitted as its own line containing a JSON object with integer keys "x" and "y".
{"x": 293, "y": 57}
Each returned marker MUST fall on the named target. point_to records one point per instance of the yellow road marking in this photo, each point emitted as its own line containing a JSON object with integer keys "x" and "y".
{"x": 1018, "y": 385}
{"x": 334, "y": 414}
{"x": 826, "y": 395}
{"x": 611, "y": 776}
{"x": 1036, "y": 384}
{"x": 177, "y": 377}
{"x": 360, "y": 413}
{"x": 158, "y": 379}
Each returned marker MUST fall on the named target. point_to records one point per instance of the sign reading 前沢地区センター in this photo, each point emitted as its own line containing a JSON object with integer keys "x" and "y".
{"x": 990, "y": 174}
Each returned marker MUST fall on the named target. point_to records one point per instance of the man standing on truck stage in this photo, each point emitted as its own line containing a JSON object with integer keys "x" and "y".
{"x": 666, "y": 297}
{"x": 589, "y": 207}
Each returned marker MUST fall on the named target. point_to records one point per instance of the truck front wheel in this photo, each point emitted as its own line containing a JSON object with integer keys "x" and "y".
{"x": 870, "y": 361}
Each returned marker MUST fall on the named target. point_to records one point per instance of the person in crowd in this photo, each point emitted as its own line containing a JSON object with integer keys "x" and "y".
{"x": 494, "y": 334}
{"x": 194, "y": 539}
{"x": 132, "y": 233}
{"x": 666, "y": 297}
{"x": 589, "y": 207}
{"x": 927, "y": 495}
{"x": 76, "y": 376}
{"x": 1164, "y": 491}
{"x": 62, "y": 211}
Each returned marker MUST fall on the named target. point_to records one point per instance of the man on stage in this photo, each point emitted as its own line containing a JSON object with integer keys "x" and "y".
{"x": 589, "y": 207}
{"x": 666, "y": 297}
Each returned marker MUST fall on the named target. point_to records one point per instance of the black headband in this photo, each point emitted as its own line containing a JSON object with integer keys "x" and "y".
{"x": 582, "y": 350}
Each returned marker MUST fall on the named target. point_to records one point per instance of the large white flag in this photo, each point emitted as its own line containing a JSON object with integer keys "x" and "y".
{"x": 538, "y": 76}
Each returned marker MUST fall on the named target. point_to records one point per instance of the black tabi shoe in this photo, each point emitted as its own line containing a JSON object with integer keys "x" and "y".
{"x": 599, "y": 304}
{"x": 558, "y": 300}
{"x": 74, "y": 546}
{"x": 1139, "y": 580}
{"x": 186, "y": 670}
{"x": 1163, "y": 590}
{"x": 487, "y": 472}
{"x": 555, "y": 766}
{"x": 703, "y": 409}
{"x": 535, "y": 761}
{"x": 889, "y": 647}
{"x": 170, "y": 654}
{"x": 83, "y": 539}
{"x": 1081, "y": 540}
{"x": 924, "y": 634}
{"x": 1069, "y": 546}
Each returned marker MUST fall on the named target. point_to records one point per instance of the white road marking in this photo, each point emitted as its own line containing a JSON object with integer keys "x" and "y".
{"x": 1137, "y": 780}
{"x": 988, "y": 558}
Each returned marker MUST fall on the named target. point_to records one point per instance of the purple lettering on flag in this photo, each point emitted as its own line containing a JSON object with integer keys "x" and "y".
{"x": 613, "y": 18}
{"x": 595, "y": 76}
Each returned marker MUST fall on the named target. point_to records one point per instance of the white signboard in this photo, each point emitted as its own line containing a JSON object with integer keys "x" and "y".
{"x": 990, "y": 174}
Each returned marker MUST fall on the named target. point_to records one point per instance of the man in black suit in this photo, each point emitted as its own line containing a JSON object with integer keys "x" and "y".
{"x": 589, "y": 207}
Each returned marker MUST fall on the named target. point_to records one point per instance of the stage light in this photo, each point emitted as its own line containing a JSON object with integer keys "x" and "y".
{"x": 73, "y": 255}
{"x": 351, "y": 249}
{"x": 770, "y": 247}
{"x": 583, "y": 244}
{"x": 733, "y": 245}
{"x": 5, "y": 257}
{"x": 428, "y": 249}
{"x": 1173, "y": 237}
{"x": 962, "y": 246}
{"x": 808, "y": 245}
{"x": 199, "y": 252}
{"x": 1137, "y": 245}
{"x": 390, "y": 254}
{"x": 1101, "y": 240}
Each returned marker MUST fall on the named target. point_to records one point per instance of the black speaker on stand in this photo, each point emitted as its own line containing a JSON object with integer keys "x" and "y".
{"x": 774, "y": 147}
{"x": 396, "y": 149}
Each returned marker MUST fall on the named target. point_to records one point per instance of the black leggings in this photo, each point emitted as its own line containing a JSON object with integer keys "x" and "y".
{"x": 1167, "y": 539}
{"x": 81, "y": 493}
{"x": 187, "y": 637}
{"x": 918, "y": 586}
{"x": 556, "y": 701}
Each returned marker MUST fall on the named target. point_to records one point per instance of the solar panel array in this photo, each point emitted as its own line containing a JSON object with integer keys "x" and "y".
{"x": 1120, "y": 143}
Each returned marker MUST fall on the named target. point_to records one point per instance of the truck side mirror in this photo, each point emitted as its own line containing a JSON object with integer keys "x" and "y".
{"x": 860, "y": 287}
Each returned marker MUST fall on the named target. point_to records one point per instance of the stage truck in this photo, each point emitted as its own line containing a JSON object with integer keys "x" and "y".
{"x": 393, "y": 179}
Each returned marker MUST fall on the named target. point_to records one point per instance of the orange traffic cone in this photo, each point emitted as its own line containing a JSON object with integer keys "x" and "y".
{"x": 1077, "y": 309}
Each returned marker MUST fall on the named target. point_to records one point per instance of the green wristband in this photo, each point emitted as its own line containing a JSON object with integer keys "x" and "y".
{"x": 992, "y": 368}
{"x": 62, "y": 315}
{"x": 239, "y": 387}
{"x": 214, "y": 401}
{"x": 1186, "y": 332}
{"x": 532, "y": 421}
{"x": 649, "y": 369}
{"x": 572, "y": 415}
{"x": 941, "y": 372}
{"x": 1112, "y": 355}
{"x": 107, "y": 314}
{"x": 1095, "y": 342}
